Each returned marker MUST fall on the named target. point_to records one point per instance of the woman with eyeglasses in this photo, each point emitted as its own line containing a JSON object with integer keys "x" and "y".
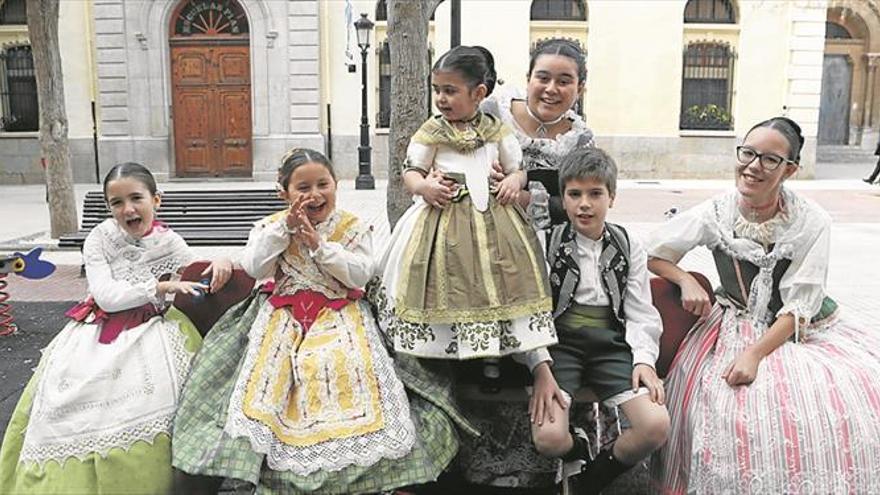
{"x": 771, "y": 392}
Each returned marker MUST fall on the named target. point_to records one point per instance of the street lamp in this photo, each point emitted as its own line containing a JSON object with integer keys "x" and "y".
{"x": 365, "y": 180}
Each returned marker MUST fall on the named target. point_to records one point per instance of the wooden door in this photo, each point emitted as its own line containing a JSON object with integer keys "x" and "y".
{"x": 211, "y": 109}
{"x": 835, "y": 100}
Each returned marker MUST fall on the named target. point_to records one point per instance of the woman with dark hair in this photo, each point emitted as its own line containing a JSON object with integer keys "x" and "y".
{"x": 770, "y": 391}
{"x": 544, "y": 122}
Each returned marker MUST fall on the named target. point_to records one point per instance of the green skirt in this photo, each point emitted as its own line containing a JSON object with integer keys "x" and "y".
{"x": 142, "y": 468}
{"x": 201, "y": 447}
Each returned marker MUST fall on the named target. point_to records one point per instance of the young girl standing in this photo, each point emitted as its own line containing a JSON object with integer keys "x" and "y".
{"x": 293, "y": 390}
{"x": 463, "y": 275}
{"x": 96, "y": 416}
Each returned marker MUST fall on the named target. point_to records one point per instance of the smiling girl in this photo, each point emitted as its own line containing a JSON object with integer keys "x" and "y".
{"x": 293, "y": 390}
{"x": 96, "y": 416}
{"x": 770, "y": 391}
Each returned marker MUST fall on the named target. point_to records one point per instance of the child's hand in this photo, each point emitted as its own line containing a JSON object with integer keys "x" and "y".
{"x": 743, "y": 370}
{"x": 220, "y": 271}
{"x": 545, "y": 392}
{"x": 694, "y": 298}
{"x": 180, "y": 287}
{"x": 646, "y": 375}
{"x": 436, "y": 189}
{"x": 508, "y": 189}
{"x": 299, "y": 225}
{"x": 496, "y": 174}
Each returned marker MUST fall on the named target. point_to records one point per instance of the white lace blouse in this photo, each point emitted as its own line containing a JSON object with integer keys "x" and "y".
{"x": 122, "y": 272}
{"x": 800, "y": 232}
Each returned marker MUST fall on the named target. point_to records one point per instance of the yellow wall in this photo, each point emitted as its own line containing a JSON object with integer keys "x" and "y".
{"x": 73, "y": 37}
{"x": 634, "y": 73}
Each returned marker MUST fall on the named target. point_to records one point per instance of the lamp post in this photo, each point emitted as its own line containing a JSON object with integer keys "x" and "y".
{"x": 364, "y": 180}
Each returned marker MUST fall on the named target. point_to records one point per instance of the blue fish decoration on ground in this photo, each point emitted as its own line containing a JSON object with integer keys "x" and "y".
{"x": 27, "y": 265}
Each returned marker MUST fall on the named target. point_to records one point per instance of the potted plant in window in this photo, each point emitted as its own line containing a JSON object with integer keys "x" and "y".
{"x": 710, "y": 116}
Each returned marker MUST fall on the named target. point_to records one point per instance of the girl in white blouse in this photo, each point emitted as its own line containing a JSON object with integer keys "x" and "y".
{"x": 771, "y": 392}
{"x": 96, "y": 416}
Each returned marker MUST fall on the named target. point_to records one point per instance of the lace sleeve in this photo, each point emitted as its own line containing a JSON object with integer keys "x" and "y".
{"x": 802, "y": 287}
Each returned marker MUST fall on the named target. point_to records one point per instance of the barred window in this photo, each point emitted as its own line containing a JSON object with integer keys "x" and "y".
{"x": 558, "y": 10}
{"x": 706, "y": 87}
{"x": 709, "y": 11}
{"x": 13, "y": 12}
{"x": 384, "y": 117}
{"x": 18, "y": 90}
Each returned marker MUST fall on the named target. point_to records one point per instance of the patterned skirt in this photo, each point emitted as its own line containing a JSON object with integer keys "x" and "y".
{"x": 96, "y": 418}
{"x": 457, "y": 283}
{"x": 320, "y": 412}
{"x": 809, "y": 423}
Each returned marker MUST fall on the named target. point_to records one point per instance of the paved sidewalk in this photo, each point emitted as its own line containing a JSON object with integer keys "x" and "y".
{"x": 855, "y": 207}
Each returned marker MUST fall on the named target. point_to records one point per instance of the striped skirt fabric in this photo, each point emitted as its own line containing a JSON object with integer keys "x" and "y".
{"x": 809, "y": 423}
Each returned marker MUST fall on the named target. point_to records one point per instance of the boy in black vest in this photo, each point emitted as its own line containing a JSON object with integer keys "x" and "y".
{"x": 609, "y": 332}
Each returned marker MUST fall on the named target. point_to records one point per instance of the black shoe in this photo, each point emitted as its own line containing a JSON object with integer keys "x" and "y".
{"x": 598, "y": 474}
{"x": 867, "y": 181}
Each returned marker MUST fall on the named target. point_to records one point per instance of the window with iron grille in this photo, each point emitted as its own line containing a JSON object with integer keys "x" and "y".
{"x": 558, "y": 10}
{"x": 18, "y": 90}
{"x": 13, "y": 12}
{"x": 709, "y": 11}
{"x": 706, "y": 86}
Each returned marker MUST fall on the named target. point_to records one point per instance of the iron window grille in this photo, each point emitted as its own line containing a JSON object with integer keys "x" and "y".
{"x": 707, "y": 86}
{"x": 18, "y": 90}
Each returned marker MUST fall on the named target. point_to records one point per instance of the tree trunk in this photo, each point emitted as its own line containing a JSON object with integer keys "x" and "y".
{"x": 408, "y": 38}
{"x": 42, "y": 19}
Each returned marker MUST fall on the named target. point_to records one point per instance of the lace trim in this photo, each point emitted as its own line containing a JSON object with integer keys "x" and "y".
{"x": 450, "y": 316}
{"x": 124, "y": 439}
{"x": 393, "y": 441}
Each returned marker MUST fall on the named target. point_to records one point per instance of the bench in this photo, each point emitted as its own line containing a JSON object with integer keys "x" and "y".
{"x": 202, "y": 218}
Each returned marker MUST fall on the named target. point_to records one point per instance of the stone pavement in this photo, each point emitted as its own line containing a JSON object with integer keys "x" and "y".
{"x": 640, "y": 205}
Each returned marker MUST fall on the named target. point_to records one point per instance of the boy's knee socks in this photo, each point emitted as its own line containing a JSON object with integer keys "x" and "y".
{"x": 580, "y": 448}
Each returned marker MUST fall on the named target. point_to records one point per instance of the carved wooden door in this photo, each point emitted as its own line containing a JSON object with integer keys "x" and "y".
{"x": 211, "y": 110}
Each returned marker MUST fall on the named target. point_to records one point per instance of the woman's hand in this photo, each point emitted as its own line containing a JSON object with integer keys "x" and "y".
{"x": 220, "y": 271}
{"x": 509, "y": 188}
{"x": 744, "y": 369}
{"x": 647, "y": 376}
{"x": 694, "y": 298}
{"x": 546, "y": 390}
{"x": 436, "y": 189}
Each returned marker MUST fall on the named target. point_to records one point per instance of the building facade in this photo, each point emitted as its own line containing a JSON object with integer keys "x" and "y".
{"x": 200, "y": 89}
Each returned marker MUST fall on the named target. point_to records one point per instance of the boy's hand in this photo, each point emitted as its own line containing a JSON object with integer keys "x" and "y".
{"x": 436, "y": 189}
{"x": 647, "y": 376}
{"x": 743, "y": 370}
{"x": 545, "y": 392}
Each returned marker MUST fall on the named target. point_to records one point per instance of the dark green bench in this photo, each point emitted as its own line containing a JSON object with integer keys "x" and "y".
{"x": 202, "y": 218}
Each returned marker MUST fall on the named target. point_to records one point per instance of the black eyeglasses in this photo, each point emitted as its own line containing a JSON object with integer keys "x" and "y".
{"x": 770, "y": 161}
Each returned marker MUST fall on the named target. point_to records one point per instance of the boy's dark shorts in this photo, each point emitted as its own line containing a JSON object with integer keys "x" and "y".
{"x": 592, "y": 351}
